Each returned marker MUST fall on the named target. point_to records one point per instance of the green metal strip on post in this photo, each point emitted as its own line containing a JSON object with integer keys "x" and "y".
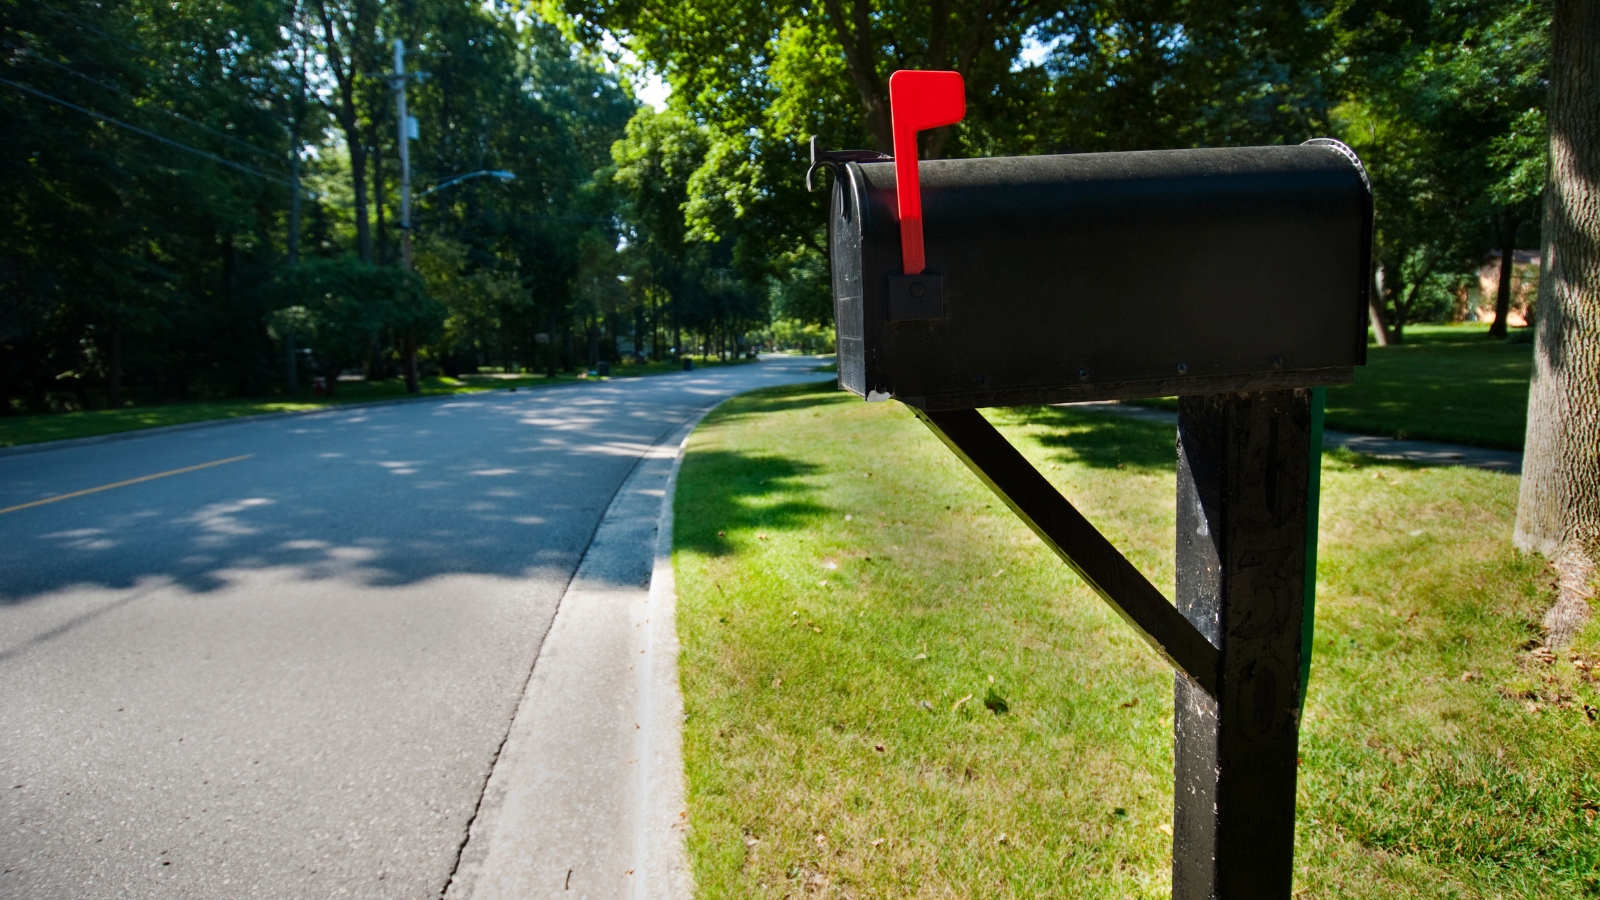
{"x": 1308, "y": 621}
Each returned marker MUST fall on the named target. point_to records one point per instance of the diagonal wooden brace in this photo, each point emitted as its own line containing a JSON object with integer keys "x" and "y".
{"x": 1015, "y": 481}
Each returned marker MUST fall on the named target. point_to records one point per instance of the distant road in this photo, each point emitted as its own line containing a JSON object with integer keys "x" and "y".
{"x": 284, "y": 667}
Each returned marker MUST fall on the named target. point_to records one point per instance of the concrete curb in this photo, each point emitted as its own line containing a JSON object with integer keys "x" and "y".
{"x": 587, "y": 795}
{"x": 662, "y": 869}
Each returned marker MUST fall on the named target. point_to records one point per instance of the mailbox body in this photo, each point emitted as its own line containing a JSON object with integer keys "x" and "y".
{"x": 1105, "y": 276}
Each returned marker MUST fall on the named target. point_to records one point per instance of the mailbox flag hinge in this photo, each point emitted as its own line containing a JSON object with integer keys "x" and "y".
{"x": 833, "y": 159}
{"x": 918, "y": 101}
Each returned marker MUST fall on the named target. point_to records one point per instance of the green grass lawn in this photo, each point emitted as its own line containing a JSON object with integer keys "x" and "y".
{"x": 849, "y": 595}
{"x": 15, "y": 430}
{"x": 1445, "y": 383}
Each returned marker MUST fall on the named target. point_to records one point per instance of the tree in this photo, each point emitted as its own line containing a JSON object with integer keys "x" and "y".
{"x": 760, "y": 78}
{"x": 345, "y": 38}
{"x": 1438, "y": 97}
{"x": 1558, "y": 512}
{"x": 338, "y": 305}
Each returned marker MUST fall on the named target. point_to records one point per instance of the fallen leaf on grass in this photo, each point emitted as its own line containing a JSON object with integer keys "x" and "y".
{"x": 761, "y": 537}
{"x": 1131, "y": 703}
{"x": 877, "y": 842}
{"x": 722, "y": 534}
{"x": 996, "y": 703}
{"x": 959, "y": 702}
{"x": 1165, "y": 829}
{"x": 879, "y": 748}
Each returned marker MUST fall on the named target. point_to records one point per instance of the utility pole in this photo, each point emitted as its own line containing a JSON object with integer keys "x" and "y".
{"x": 291, "y": 381}
{"x": 397, "y": 80}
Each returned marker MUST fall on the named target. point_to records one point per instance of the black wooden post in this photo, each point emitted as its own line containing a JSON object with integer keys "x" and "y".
{"x": 1244, "y": 479}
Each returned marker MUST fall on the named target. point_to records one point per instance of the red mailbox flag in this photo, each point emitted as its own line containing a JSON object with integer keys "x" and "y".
{"x": 918, "y": 101}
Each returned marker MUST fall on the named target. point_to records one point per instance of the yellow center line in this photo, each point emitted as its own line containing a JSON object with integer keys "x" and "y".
{"x": 107, "y": 487}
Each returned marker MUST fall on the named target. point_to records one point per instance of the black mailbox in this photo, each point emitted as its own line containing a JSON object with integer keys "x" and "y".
{"x": 1235, "y": 277}
{"x": 1104, "y": 276}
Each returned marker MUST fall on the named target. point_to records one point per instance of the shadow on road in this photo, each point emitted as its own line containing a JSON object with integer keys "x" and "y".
{"x": 376, "y": 500}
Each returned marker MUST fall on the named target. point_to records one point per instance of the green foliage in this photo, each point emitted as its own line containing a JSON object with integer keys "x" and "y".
{"x": 695, "y": 272}
{"x": 137, "y": 269}
{"x": 1442, "y": 99}
{"x": 117, "y": 248}
{"x": 758, "y": 79}
{"x": 793, "y": 334}
{"x": 340, "y": 306}
{"x": 804, "y": 292}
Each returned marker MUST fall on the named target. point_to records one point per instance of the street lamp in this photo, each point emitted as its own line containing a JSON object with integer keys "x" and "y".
{"x": 498, "y": 173}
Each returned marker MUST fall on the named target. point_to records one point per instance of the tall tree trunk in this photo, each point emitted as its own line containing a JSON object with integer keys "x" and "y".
{"x": 550, "y": 341}
{"x": 114, "y": 371}
{"x": 408, "y": 346}
{"x": 291, "y": 382}
{"x": 1380, "y": 322}
{"x": 381, "y": 244}
{"x": 358, "y": 183}
{"x": 347, "y": 63}
{"x": 1558, "y": 513}
{"x": 1508, "y": 252}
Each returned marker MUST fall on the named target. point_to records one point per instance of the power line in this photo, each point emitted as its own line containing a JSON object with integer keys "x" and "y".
{"x": 106, "y": 35}
{"x": 113, "y": 88}
{"x": 150, "y": 134}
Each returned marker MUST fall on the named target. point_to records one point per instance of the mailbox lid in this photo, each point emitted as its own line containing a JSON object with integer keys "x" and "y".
{"x": 1110, "y": 275}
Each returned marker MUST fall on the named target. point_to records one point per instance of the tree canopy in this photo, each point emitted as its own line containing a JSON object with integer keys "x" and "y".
{"x": 170, "y": 163}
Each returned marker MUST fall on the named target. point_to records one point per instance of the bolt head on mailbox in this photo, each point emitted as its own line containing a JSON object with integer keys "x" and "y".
{"x": 1048, "y": 279}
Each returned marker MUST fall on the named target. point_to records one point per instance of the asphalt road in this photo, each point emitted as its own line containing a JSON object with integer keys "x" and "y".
{"x": 289, "y": 674}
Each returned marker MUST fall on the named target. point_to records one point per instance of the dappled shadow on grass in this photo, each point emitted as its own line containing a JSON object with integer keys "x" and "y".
{"x": 726, "y": 492}
{"x": 780, "y": 399}
{"x": 1098, "y": 440}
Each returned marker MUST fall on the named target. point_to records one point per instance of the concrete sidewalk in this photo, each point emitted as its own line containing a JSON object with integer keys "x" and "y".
{"x": 1429, "y": 452}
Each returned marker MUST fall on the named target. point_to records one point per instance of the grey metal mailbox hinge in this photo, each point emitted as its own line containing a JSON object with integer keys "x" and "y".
{"x": 1031, "y": 496}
